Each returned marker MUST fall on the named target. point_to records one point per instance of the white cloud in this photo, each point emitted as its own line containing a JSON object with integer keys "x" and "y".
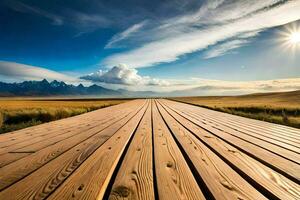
{"x": 124, "y": 35}
{"x": 224, "y": 48}
{"x": 197, "y": 86}
{"x": 87, "y": 22}
{"x": 185, "y": 34}
{"x": 19, "y": 71}
{"x": 123, "y": 75}
{"x": 275, "y": 84}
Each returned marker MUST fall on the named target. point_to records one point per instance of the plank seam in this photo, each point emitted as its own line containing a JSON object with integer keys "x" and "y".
{"x": 243, "y": 132}
{"x": 118, "y": 166}
{"x": 203, "y": 187}
{"x": 256, "y": 185}
{"x": 71, "y": 148}
{"x": 155, "y": 187}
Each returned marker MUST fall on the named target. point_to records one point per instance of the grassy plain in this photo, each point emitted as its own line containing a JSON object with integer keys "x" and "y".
{"x": 281, "y": 108}
{"x": 19, "y": 113}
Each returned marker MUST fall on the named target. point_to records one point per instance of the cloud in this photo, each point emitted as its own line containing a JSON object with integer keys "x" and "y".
{"x": 87, "y": 22}
{"x": 224, "y": 48}
{"x": 22, "y": 7}
{"x": 124, "y": 35}
{"x": 123, "y": 75}
{"x": 84, "y": 22}
{"x": 275, "y": 84}
{"x": 218, "y": 87}
{"x": 18, "y": 71}
{"x": 213, "y": 23}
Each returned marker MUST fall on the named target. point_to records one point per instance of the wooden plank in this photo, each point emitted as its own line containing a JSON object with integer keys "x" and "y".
{"x": 273, "y": 184}
{"x": 215, "y": 121}
{"x": 42, "y": 182}
{"x": 15, "y": 171}
{"x": 20, "y": 135}
{"x": 42, "y": 138}
{"x": 260, "y": 125}
{"x": 222, "y": 181}
{"x": 286, "y": 167}
{"x": 135, "y": 176}
{"x": 11, "y": 157}
{"x": 174, "y": 178}
{"x": 91, "y": 179}
{"x": 285, "y": 153}
{"x": 17, "y": 154}
{"x": 291, "y": 131}
{"x": 51, "y": 128}
{"x": 245, "y": 127}
{"x": 36, "y": 144}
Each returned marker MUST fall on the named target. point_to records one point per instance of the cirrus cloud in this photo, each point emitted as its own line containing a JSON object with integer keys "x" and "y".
{"x": 210, "y": 25}
{"x": 124, "y": 35}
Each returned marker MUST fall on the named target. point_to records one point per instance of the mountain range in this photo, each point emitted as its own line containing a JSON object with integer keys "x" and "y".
{"x": 54, "y": 88}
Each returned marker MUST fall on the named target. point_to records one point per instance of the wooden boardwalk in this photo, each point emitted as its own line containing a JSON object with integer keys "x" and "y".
{"x": 151, "y": 149}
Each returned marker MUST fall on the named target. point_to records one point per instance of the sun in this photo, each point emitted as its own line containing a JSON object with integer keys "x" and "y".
{"x": 289, "y": 38}
{"x": 294, "y": 38}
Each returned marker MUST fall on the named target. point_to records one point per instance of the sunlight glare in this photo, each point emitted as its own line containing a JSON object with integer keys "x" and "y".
{"x": 295, "y": 38}
{"x": 289, "y": 39}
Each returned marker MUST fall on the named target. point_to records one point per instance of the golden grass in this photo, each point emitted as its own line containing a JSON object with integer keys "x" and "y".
{"x": 14, "y": 104}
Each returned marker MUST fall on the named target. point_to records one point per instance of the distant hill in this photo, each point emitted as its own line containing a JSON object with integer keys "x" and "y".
{"x": 54, "y": 88}
{"x": 275, "y": 99}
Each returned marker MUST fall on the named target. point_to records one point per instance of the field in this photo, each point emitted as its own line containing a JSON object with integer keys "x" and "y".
{"x": 281, "y": 108}
{"x": 17, "y": 113}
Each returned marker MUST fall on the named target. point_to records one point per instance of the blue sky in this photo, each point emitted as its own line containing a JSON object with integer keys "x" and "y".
{"x": 231, "y": 46}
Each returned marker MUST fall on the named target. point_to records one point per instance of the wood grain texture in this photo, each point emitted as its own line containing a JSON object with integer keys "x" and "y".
{"x": 174, "y": 178}
{"x": 263, "y": 176}
{"x": 135, "y": 176}
{"x": 19, "y": 169}
{"x": 222, "y": 181}
{"x": 91, "y": 179}
{"x": 267, "y": 144}
{"x": 16, "y": 152}
{"x": 31, "y": 135}
{"x": 286, "y": 166}
{"x": 46, "y": 179}
{"x": 58, "y": 125}
{"x": 267, "y": 128}
{"x": 151, "y": 149}
{"x": 274, "y": 137}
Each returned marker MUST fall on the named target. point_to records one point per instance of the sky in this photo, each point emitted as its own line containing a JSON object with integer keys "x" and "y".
{"x": 214, "y": 47}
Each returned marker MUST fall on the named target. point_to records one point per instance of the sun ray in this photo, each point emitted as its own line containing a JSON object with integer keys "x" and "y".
{"x": 289, "y": 38}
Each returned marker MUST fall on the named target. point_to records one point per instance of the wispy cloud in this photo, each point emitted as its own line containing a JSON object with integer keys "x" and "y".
{"x": 124, "y": 35}
{"x": 224, "y": 48}
{"x": 123, "y": 75}
{"x": 82, "y": 21}
{"x": 22, "y": 7}
{"x": 87, "y": 22}
{"x": 209, "y": 87}
{"x": 213, "y": 23}
{"x": 219, "y": 87}
{"x": 19, "y": 71}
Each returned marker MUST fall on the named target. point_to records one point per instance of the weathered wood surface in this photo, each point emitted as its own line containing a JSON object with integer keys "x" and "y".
{"x": 151, "y": 149}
